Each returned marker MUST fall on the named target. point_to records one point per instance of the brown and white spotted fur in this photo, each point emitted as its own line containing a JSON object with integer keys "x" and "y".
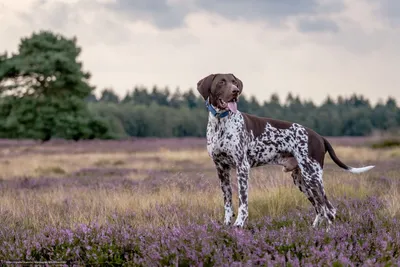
{"x": 241, "y": 141}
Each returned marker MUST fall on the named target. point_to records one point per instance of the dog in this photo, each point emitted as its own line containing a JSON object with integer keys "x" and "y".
{"x": 242, "y": 141}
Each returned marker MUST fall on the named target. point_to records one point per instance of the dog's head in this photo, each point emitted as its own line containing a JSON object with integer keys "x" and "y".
{"x": 222, "y": 90}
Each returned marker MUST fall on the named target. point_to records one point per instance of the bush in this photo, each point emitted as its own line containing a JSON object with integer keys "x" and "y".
{"x": 387, "y": 143}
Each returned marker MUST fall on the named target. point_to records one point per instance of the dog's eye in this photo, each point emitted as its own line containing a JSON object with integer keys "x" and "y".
{"x": 221, "y": 82}
{"x": 234, "y": 82}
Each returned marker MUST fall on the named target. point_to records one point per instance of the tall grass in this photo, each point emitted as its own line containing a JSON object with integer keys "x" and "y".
{"x": 162, "y": 177}
{"x": 164, "y": 189}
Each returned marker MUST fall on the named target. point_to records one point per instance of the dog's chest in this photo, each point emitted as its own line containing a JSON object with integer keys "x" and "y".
{"x": 225, "y": 139}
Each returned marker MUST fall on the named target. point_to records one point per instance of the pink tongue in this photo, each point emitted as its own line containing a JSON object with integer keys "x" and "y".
{"x": 232, "y": 106}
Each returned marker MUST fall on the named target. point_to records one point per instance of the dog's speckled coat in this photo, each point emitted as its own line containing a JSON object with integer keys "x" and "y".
{"x": 243, "y": 141}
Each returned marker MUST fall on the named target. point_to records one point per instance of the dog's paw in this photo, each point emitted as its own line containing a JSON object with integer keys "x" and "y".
{"x": 228, "y": 221}
{"x": 239, "y": 223}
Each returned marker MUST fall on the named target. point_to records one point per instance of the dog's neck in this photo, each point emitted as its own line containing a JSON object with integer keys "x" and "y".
{"x": 217, "y": 122}
{"x": 217, "y": 113}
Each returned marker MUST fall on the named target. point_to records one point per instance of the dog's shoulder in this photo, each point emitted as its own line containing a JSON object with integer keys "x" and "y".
{"x": 258, "y": 124}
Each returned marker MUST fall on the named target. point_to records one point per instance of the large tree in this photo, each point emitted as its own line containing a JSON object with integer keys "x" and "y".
{"x": 43, "y": 88}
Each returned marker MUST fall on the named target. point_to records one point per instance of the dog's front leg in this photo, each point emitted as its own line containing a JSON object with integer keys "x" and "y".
{"x": 242, "y": 172}
{"x": 225, "y": 181}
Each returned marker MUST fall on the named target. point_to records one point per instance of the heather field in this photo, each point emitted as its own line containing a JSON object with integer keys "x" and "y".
{"x": 157, "y": 202}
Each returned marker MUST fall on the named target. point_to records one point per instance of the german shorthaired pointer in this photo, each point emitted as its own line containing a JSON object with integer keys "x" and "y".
{"x": 242, "y": 141}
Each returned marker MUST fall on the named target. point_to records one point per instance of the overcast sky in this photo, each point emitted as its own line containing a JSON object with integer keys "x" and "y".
{"x": 309, "y": 47}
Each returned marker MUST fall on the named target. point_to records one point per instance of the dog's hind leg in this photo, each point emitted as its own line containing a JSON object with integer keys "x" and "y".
{"x": 298, "y": 180}
{"x": 308, "y": 177}
{"x": 310, "y": 173}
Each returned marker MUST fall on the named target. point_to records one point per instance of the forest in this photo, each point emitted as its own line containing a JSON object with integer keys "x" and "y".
{"x": 158, "y": 112}
{"x": 45, "y": 94}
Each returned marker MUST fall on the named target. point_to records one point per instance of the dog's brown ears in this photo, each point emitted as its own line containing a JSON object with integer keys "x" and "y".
{"x": 204, "y": 85}
{"x": 240, "y": 83}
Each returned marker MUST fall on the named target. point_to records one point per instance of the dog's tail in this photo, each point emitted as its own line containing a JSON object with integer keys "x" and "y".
{"x": 335, "y": 159}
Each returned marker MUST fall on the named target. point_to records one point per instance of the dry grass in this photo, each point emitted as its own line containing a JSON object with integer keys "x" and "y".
{"x": 271, "y": 191}
{"x": 42, "y": 164}
{"x": 63, "y": 207}
{"x": 392, "y": 199}
{"x": 364, "y": 154}
{"x": 61, "y": 164}
{"x": 164, "y": 159}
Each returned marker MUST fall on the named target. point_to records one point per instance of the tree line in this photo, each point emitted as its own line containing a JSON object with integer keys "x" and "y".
{"x": 45, "y": 93}
{"x": 161, "y": 113}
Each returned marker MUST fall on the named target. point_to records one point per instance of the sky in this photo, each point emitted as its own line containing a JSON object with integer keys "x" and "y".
{"x": 312, "y": 48}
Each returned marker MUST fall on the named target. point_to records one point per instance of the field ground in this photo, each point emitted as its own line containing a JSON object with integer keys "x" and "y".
{"x": 158, "y": 202}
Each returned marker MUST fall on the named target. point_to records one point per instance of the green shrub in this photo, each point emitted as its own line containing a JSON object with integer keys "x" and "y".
{"x": 387, "y": 143}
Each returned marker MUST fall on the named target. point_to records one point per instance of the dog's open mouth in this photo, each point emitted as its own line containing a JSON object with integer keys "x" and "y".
{"x": 231, "y": 105}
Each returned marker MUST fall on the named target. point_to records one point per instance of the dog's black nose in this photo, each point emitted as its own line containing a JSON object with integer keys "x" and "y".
{"x": 235, "y": 90}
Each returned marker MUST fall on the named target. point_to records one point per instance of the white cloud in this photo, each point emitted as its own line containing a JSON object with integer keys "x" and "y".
{"x": 361, "y": 57}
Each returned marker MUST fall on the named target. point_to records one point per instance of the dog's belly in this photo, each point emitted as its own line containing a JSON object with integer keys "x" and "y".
{"x": 269, "y": 155}
{"x": 260, "y": 158}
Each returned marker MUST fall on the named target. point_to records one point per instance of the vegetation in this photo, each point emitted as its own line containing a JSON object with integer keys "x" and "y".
{"x": 387, "y": 143}
{"x": 159, "y": 113}
{"x": 124, "y": 203}
{"x": 43, "y": 89}
{"x": 44, "y": 94}
{"x": 158, "y": 202}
